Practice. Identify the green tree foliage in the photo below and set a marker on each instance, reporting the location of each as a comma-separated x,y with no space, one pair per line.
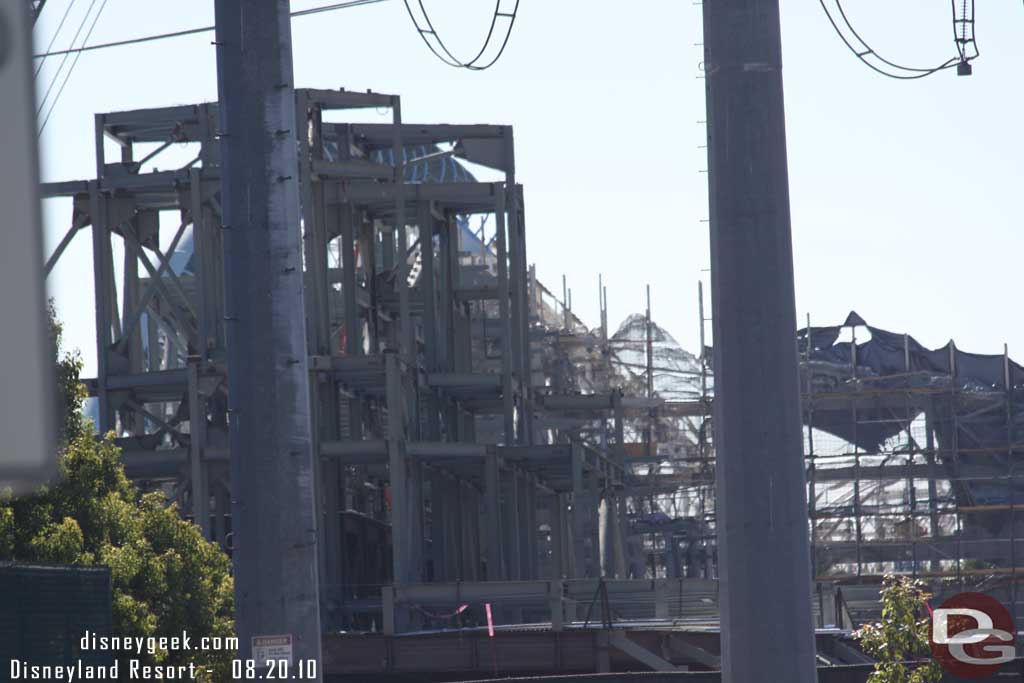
900,640
166,577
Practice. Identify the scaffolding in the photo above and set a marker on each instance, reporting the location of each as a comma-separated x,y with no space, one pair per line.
911,460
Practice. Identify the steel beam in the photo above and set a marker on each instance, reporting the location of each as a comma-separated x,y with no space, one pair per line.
398,472
493,512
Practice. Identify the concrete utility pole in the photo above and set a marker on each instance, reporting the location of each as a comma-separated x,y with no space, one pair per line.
763,548
27,422
272,480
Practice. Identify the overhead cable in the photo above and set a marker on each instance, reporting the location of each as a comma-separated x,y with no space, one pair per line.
201,29
56,99
442,52
56,33
60,67
963,34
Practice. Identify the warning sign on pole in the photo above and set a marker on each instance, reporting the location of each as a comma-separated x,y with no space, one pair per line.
271,648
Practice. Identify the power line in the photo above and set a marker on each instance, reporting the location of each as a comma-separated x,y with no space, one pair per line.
55,34
60,67
862,54
193,31
449,58
901,72
130,41
846,20
71,70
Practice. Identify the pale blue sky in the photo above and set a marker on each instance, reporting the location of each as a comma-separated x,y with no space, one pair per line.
906,196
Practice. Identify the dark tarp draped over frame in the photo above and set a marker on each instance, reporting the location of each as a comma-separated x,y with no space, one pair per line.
978,399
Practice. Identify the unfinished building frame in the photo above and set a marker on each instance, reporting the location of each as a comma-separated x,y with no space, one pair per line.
911,460
446,455
474,438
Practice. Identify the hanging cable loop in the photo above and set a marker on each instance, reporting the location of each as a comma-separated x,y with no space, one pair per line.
963,36
441,51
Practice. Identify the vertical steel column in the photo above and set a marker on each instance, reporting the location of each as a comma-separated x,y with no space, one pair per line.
512,518
197,441
857,525
318,225
446,267
416,510
439,546
353,321
606,563
507,391
512,522
471,542
579,507
530,528
555,522
807,409
1011,478
517,339
522,524
616,511
100,233
272,478
649,446
592,477
103,270
619,537
316,238
761,505
631,554
398,470
933,489
407,336
493,512
153,338
130,299
515,283
465,511
522,325
456,507
207,253
428,290
565,304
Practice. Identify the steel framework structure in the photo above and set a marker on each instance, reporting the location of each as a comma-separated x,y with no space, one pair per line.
473,437
444,453
470,430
